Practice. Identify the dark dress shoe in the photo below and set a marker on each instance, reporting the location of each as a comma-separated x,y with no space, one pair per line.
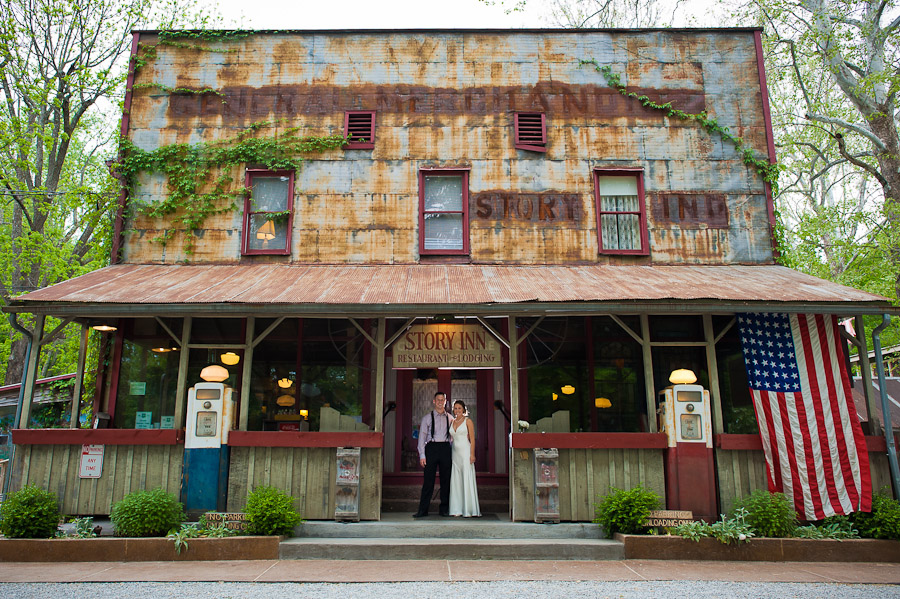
420,515
445,514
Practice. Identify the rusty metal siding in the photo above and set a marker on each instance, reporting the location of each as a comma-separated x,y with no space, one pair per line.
446,99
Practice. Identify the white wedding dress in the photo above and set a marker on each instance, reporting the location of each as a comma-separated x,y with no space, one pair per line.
463,489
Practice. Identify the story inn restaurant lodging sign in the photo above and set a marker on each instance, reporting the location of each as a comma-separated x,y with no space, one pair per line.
447,346
505,226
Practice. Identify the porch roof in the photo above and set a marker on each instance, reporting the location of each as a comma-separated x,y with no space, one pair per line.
132,289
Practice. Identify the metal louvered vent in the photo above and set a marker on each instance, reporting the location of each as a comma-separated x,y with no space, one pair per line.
531,131
360,128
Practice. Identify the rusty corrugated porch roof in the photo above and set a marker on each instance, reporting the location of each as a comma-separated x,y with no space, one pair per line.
159,289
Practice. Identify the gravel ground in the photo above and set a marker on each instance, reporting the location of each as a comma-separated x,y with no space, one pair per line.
459,590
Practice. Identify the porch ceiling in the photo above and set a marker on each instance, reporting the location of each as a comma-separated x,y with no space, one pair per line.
128,289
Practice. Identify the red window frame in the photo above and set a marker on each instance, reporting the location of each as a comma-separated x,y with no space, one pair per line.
449,172
245,236
526,135
638,174
366,136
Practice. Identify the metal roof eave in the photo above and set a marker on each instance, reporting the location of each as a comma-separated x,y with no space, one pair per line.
694,306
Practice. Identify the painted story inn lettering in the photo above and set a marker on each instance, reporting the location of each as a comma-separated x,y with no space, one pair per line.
547,207
447,345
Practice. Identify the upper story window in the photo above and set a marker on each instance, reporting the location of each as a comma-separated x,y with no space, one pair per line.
621,214
359,126
531,131
268,212
443,212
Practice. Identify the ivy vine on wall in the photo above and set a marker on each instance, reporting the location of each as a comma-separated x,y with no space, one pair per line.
200,177
768,171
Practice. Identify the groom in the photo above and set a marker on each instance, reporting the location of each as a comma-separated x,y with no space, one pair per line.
434,453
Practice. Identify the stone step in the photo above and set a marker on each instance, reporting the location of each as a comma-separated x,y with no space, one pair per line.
490,526
450,548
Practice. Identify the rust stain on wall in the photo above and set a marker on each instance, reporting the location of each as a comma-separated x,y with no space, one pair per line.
321,99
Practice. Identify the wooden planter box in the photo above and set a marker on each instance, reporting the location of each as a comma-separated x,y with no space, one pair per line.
152,549
760,549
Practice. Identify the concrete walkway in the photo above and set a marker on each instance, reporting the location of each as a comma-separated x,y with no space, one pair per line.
447,571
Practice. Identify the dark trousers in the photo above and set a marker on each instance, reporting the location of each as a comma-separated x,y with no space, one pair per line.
437,455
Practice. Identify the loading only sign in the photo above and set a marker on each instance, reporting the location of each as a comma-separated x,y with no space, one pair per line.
91,461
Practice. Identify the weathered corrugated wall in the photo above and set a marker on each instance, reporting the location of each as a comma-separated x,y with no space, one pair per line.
447,99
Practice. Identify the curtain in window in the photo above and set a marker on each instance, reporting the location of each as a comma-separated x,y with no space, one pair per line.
620,231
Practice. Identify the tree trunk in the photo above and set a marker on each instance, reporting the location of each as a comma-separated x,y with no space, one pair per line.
15,367
889,166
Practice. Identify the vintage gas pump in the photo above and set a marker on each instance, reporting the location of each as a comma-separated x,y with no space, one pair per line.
684,416
210,415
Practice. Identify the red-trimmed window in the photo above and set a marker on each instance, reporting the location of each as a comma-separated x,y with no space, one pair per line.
531,131
443,212
359,126
621,213
268,212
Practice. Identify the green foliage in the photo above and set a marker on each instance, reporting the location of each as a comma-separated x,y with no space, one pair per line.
84,528
735,529
693,531
626,512
768,171
201,176
835,527
769,514
147,514
883,522
29,513
271,512
199,530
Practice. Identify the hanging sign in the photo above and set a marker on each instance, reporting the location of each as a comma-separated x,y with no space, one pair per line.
447,346
91,461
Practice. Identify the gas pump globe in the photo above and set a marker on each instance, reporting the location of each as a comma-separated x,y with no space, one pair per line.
685,418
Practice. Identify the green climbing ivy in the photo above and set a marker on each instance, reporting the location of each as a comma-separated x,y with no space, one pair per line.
768,171
200,176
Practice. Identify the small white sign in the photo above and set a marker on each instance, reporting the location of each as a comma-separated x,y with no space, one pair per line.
91,461
137,388
166,422
143,420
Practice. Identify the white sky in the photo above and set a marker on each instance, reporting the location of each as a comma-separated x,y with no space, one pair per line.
375,14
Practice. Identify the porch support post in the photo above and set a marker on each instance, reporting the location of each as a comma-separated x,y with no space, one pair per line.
30,374
513,337
713,365
865,371
181,385
648,373
79,375
247,372
379,375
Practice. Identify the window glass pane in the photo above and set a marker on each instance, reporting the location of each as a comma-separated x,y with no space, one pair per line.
676,328
621,231
443,232
443,194
266,233
270,194
274,360
618,377
217,330
148,373
737,405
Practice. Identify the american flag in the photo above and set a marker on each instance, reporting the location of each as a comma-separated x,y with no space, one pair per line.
815,450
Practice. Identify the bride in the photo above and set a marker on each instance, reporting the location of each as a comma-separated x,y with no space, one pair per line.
463,492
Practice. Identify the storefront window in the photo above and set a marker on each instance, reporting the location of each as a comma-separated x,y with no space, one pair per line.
619,395
148,375
309,375
737,405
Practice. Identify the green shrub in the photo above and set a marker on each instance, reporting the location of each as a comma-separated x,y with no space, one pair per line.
626,512
734,529
693,531
29,513
147,514
769,514
271,512
883,522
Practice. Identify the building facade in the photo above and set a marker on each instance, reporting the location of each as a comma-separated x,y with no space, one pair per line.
371,216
